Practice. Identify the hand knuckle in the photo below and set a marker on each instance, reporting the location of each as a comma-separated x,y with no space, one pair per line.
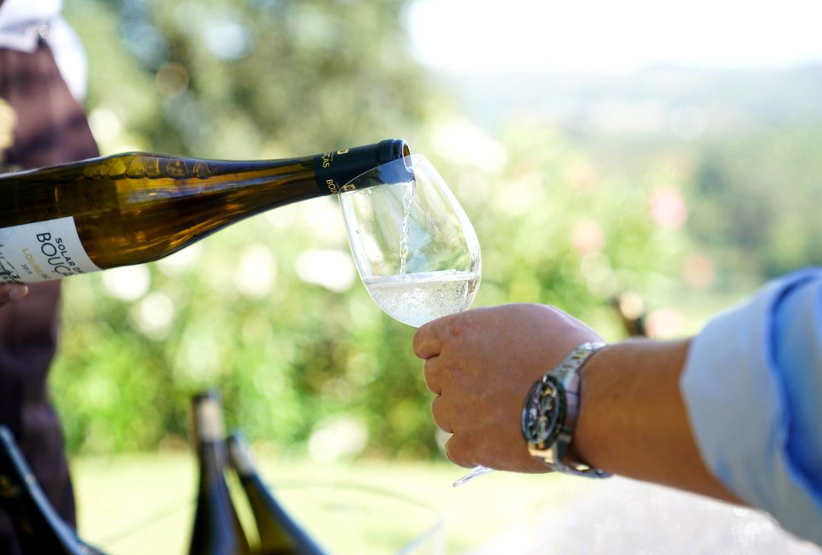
456,452
462,326
417,342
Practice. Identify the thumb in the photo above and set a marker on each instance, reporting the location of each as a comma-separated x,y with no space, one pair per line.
12,292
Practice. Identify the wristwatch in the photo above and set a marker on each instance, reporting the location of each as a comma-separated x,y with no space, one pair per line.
550,414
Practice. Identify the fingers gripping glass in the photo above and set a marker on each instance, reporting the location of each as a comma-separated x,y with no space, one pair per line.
414,247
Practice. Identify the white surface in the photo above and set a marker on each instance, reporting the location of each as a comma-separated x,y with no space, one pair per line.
622,517
614,37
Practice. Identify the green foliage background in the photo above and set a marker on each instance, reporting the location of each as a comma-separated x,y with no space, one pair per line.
279,78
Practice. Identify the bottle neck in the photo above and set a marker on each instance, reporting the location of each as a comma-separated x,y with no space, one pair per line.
278,532
330,172
216,526
209,434
336,170
249,187
208,420
241,457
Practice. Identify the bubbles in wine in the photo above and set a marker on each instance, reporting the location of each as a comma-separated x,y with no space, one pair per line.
415,299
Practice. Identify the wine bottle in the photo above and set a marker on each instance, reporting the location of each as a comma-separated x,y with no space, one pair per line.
279,533
630,309
217,529
37,526
134,208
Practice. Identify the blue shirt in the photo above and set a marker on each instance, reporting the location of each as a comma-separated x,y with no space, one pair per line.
752,385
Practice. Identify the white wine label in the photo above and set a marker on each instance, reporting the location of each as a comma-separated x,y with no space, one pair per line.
42,251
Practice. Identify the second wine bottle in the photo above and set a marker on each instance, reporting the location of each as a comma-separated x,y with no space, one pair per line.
217,529
279,533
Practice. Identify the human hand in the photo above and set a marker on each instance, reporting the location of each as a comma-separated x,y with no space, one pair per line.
12,292
481,364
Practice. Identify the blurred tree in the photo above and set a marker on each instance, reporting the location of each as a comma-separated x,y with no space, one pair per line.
270,310
755,201
225,79
251,78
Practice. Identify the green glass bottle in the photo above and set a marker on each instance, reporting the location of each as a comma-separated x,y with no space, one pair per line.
37,526
217,529
279,533
134,208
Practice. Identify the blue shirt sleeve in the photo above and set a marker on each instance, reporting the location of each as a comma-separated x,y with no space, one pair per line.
752,385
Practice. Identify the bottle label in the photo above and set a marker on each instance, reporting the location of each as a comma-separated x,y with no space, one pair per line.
42,251
335,170
326,169
350,169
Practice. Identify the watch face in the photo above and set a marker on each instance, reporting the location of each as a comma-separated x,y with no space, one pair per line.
544,413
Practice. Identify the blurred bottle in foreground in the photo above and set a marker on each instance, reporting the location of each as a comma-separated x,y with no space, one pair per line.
279,533
38,527
217,529
134,208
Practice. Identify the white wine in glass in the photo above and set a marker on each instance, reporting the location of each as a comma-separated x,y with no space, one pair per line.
415,299
414,247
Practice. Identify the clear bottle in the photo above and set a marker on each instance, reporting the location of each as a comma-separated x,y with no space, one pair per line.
134,208
217,529
279,533
37,526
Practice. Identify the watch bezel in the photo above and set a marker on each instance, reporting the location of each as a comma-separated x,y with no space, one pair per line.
542,438
548,429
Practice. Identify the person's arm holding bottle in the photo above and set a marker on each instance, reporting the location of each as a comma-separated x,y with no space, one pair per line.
732,413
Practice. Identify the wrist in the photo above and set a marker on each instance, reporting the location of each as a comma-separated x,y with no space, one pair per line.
586,448
579,449
631,421
550,414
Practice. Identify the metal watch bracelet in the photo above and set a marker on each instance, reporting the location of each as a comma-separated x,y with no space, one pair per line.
550,412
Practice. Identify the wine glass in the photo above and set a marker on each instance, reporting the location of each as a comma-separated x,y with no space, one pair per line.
415,248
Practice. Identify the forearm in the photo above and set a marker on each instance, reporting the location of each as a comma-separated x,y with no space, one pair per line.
633,421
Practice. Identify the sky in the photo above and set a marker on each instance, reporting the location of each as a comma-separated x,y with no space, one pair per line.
601,36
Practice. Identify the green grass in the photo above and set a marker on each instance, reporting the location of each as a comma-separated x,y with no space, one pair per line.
141,504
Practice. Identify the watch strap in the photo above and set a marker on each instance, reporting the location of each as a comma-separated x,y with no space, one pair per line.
551,410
